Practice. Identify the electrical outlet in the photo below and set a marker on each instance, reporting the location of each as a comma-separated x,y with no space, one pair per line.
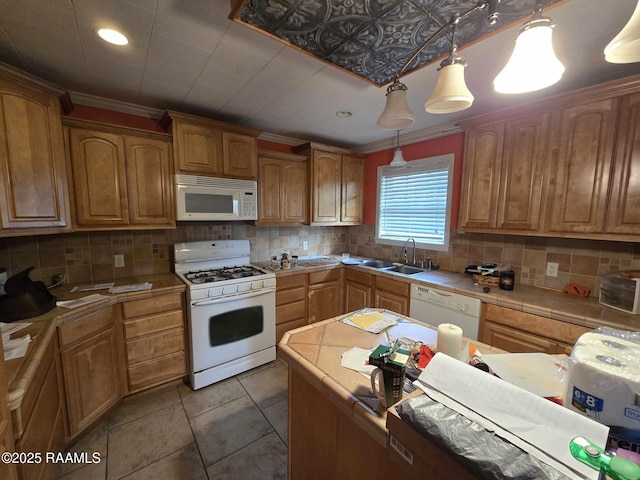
552,269
118,260
305,246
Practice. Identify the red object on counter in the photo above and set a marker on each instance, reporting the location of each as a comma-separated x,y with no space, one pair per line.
425,356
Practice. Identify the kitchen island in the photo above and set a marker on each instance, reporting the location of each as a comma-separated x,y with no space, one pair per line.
337,427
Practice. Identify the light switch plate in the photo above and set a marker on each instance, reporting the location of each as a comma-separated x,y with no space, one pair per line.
305,246
552,269
118,260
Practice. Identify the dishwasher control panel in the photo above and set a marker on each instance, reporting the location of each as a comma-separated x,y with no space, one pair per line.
454,301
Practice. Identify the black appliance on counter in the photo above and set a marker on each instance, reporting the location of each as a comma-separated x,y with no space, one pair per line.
24,298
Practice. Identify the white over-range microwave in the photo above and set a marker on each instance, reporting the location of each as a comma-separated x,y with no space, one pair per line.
215,199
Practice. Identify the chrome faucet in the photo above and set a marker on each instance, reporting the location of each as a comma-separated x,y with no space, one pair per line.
404,255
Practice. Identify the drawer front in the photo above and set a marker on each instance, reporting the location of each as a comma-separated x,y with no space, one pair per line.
154,346
72,332
392,286
358,277
151,306
290,281
291,295
291,311
153,324
157,371
324,276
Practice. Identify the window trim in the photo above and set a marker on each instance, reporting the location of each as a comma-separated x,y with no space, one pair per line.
435,162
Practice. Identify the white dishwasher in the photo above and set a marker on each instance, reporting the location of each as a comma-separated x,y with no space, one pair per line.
434,307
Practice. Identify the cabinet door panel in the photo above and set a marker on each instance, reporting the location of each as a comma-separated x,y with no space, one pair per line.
198,149
325,301
624,205
99,178
240,155
150,186
325,183
522,173
32,162
295,207
272,177
391,301
352,189
91,379
481,177
581,163
357,296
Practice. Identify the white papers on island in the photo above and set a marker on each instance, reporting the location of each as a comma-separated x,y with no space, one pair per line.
17,347
79,302
539,426
357,359
95,286
370,320
135,287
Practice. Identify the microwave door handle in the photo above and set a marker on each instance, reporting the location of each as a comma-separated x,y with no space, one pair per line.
232,298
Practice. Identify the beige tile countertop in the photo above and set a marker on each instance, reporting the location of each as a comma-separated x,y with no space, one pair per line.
314,351
20,371
545,302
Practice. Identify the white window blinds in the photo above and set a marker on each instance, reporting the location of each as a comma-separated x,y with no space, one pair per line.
414,202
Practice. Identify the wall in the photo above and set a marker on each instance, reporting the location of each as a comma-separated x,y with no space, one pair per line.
88,257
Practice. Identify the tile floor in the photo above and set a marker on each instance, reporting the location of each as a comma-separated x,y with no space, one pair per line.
234,429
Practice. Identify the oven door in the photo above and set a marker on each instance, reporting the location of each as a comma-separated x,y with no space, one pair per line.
228,328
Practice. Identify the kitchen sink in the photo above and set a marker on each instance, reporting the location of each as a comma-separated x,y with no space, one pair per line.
376,264
407,270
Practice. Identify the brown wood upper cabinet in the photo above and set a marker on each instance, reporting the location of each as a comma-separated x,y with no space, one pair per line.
282,188
33,190
336,184
121,177
503,172
562,167
203,146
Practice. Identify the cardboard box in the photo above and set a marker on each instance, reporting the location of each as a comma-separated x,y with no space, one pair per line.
419,457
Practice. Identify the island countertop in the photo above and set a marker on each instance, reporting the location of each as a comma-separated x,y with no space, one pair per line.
314,351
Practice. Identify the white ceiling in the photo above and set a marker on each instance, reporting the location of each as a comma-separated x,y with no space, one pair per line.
186,55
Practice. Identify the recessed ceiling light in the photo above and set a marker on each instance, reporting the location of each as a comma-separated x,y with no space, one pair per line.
343,114
112,36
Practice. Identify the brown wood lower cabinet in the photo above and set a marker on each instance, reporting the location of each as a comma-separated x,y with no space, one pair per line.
90,364
325,295
358,290
291,303
153,331
520,332
38,422
392,295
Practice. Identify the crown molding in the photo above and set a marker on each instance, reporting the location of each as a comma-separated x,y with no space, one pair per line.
115,105
412,137
274,137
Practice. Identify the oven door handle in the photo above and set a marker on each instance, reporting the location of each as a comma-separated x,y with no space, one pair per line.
233,298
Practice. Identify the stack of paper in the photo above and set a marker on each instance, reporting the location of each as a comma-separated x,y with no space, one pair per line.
17,347
95,286
370,320
136,287
79,302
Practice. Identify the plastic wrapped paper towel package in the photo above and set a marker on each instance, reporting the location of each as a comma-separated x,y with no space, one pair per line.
603,383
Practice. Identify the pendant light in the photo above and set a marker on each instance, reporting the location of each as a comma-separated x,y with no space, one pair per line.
396,115
625,47
451,93
398,160
533,64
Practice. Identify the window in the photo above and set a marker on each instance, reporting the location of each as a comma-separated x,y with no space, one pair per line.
414,201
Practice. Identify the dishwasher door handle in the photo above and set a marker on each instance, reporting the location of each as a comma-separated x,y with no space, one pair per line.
438,293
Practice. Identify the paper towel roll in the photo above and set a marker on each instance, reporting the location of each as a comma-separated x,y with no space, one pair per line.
449,340
603,380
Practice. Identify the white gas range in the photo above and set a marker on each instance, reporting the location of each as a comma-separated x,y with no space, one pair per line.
231,309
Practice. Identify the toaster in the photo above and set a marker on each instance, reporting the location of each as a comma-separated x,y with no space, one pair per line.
621,290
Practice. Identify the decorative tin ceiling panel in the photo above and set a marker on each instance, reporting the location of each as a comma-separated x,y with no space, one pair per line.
374,38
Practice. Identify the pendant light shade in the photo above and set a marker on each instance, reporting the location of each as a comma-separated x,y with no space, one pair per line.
451,93
625,47
397,160
533,64
396,115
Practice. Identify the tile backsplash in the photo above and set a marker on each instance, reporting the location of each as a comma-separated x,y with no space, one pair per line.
88,257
